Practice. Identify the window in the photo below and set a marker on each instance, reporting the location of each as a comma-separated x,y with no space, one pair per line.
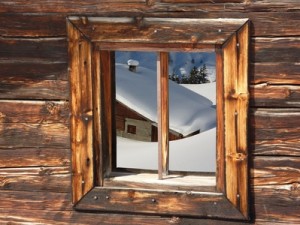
93,42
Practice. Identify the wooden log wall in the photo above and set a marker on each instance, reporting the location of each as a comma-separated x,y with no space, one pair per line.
35,173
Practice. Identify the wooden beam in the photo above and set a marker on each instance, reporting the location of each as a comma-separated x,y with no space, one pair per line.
163,113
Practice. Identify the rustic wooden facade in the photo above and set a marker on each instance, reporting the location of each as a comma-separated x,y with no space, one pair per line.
35,156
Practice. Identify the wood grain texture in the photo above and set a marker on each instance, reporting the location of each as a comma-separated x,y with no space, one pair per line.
26,157
22,89
81,113
159,202
28,25
53,25
35,200
33,66
34,49
281,95
163,113
270,130
34,135
73,217
277,50
275,73
93,6
34,112
52,179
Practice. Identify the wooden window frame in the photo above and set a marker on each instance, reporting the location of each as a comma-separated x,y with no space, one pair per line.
91,42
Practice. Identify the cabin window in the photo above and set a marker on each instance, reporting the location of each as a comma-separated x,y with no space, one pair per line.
100,115
191,111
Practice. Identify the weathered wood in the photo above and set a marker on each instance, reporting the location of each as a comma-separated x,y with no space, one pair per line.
34,89
25,157
34,112
35,135
220,148
34,49
107,92
97,112
14,70
276,171
238,194
52,25
242,117
275,73
35,200
264,136
52,179
163,113
277,203
81,114
235,115
159,203
156,31
28,25
275,50
264,95
73,217
93,6
274,118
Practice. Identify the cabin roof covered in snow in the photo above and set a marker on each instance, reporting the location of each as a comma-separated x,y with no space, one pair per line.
189,111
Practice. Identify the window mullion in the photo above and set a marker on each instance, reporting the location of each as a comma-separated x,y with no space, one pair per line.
163,113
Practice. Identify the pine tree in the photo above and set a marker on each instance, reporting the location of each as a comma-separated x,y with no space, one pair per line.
203,75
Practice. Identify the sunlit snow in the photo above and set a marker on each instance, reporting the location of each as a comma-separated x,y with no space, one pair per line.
190,110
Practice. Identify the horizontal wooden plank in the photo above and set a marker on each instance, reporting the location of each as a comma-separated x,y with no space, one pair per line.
34,89
202,1
28,25
72,6
35,200
52,25
275,193
273,170
157,30
25,157
13,135
34,49
275,147
12,111
275,50
277,204
275,73
264,127
93,6
32,70
265,95
9,215
52,179
159,202
274,118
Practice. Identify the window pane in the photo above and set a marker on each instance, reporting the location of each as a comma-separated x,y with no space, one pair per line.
192,102
136,110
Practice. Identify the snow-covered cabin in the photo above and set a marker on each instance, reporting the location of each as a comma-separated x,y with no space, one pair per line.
136,106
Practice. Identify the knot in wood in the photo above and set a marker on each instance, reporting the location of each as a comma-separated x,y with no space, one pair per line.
194,39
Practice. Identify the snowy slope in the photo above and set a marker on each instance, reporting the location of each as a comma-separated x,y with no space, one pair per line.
196,153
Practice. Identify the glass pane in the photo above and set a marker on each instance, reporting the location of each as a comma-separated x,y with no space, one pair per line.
192,119
136,109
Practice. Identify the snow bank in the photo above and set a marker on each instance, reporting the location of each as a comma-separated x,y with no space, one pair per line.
196,153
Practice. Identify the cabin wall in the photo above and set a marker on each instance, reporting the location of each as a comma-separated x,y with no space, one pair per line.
35,174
